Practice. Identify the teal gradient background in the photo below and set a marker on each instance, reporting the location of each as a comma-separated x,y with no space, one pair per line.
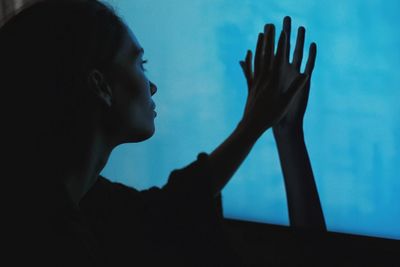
352,123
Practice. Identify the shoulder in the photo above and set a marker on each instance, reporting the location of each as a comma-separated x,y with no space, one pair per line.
193,180
107,197
107,190
110,190
105,183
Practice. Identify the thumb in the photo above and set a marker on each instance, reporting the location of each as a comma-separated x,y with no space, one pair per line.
246,73
243,66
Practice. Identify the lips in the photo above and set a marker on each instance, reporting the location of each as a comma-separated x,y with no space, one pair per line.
153,107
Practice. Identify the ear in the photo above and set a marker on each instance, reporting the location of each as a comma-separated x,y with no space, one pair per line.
99,86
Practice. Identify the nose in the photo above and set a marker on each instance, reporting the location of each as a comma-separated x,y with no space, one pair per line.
153,88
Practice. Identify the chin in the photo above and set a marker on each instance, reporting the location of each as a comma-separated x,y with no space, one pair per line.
142,135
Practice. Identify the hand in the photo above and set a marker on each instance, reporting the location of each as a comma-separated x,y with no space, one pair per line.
293,120
275,83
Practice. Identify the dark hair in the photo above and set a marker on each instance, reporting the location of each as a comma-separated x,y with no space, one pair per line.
46,53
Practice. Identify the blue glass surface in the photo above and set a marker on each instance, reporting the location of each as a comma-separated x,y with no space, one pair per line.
352,124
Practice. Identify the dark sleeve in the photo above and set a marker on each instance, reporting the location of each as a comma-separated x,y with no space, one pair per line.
191,215
187,196
181,222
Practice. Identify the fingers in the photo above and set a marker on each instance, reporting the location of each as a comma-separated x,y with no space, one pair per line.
269,47
265,49
247,68
287,28
245,63
258,56
283,51
244,69
281,48
298,51
312,54
265,57
249,60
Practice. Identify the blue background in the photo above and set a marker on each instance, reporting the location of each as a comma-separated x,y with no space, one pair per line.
352,123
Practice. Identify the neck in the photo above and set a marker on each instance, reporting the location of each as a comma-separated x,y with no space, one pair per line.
85,164
75,162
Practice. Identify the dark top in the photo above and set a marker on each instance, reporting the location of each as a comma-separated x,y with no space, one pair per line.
179,224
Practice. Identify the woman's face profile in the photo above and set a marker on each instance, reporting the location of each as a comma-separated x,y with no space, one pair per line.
133,107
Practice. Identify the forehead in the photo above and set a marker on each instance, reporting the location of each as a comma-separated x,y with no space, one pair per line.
131,39
134,44
130,47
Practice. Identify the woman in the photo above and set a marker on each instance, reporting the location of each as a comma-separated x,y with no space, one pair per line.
75,86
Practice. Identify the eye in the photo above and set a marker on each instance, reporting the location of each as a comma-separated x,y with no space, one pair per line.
144,62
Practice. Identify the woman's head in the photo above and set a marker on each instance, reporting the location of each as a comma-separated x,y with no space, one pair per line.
67,66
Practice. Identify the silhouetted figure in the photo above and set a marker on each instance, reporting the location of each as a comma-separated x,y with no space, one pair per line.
74,88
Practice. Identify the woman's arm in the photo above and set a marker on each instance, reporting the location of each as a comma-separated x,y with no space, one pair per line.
270,93
304,206
301,192
227,157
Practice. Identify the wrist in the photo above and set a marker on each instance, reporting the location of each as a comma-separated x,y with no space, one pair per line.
247,132
284,133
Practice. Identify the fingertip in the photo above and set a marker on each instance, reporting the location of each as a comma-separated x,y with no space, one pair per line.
313,49
247,55
313,46
267,27
271,32
287,23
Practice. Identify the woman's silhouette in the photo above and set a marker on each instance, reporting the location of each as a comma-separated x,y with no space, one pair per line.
74,88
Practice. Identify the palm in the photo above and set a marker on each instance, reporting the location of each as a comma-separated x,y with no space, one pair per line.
296,110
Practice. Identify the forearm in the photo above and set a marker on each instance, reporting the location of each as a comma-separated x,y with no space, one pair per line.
226,158
302,196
